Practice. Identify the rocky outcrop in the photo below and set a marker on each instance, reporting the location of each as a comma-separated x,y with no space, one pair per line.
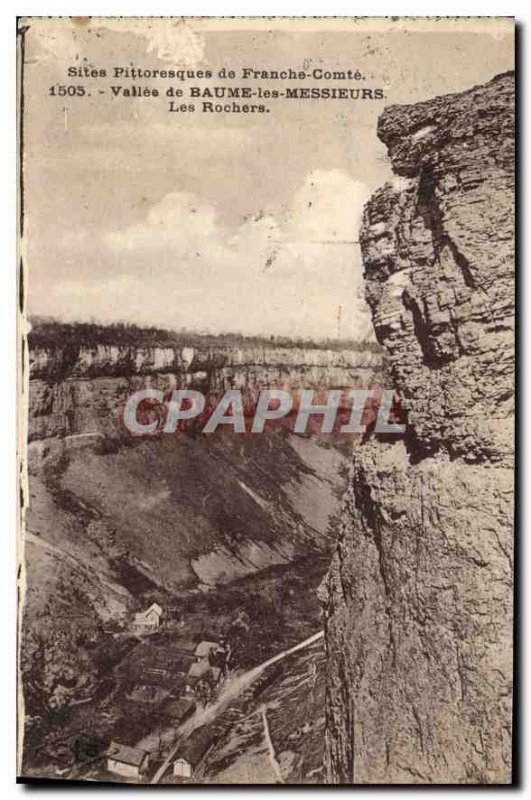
419,594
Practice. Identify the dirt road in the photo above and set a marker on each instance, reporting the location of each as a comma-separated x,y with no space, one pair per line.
233,687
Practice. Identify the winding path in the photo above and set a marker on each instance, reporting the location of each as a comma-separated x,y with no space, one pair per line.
232,689
271,750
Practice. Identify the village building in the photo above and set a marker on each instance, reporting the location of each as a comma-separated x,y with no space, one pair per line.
149,620
204,649
130,762
192,753
198,672
182,768
202,679
216,653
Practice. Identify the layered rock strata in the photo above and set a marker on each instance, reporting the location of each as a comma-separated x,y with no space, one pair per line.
419,595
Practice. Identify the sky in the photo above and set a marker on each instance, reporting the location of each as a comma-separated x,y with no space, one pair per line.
220,222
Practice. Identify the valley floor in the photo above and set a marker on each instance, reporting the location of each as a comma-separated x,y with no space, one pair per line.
275,608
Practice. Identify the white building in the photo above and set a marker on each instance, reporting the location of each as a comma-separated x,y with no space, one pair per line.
182,768
130,762
192,753
148,620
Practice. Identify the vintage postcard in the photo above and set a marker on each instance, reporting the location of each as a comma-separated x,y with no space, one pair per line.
266,383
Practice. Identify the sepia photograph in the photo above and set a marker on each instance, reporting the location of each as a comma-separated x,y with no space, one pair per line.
266,383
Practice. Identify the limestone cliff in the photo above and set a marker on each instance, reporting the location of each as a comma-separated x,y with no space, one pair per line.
419,593
81,389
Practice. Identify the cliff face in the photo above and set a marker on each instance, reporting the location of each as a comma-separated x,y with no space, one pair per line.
76,390
419,594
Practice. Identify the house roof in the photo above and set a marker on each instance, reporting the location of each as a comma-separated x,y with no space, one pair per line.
126,754
154,607
202,670
204,648
195,747
198,669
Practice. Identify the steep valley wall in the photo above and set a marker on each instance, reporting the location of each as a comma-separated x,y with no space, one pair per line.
419,596
112,523
76,390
